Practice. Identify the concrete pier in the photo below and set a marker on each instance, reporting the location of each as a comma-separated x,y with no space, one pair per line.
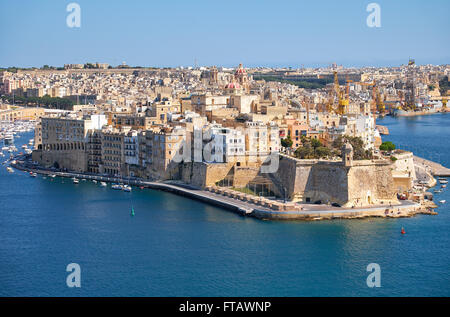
435,169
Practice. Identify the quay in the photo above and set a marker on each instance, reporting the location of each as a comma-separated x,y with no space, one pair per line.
257,207
434,168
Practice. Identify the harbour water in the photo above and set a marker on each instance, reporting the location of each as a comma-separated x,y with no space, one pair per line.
175,246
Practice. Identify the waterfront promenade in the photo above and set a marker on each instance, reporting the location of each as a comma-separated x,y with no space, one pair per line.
255,206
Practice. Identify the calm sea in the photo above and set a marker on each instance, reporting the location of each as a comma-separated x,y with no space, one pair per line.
175,246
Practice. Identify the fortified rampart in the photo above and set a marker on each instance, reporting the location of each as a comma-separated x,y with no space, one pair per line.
361,183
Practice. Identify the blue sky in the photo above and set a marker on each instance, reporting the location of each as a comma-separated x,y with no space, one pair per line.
225,32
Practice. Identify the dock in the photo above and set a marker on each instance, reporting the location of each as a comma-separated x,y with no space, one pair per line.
435,169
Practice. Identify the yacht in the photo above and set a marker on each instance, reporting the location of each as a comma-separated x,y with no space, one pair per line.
126,188
443,181
103,184
75,180
442,201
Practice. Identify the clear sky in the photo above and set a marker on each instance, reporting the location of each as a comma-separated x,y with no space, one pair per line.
225,32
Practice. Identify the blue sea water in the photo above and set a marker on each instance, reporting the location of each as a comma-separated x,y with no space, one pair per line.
175,246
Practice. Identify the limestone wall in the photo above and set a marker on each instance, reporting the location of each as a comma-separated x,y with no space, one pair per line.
371,183
73,160
363,184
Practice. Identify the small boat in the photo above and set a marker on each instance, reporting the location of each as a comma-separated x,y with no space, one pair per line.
10,170
52,175
75,180
33,174
103,184
443,186
403,231
126,188
132,211
442,201
94,181
443,181
116,186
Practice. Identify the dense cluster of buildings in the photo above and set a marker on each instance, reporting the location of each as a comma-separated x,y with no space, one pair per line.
205,125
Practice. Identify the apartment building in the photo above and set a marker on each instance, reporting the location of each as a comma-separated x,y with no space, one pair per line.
64,141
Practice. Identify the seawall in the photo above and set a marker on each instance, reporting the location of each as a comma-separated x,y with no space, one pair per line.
405,209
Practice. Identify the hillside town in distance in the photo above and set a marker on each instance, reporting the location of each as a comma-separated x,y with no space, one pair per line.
281,143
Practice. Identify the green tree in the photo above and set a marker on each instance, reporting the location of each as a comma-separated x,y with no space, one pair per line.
387,146
287,142
304,152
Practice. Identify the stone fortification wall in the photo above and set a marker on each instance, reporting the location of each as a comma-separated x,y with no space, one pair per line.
363,183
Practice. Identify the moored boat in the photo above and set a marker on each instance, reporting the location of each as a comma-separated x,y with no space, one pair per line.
116,186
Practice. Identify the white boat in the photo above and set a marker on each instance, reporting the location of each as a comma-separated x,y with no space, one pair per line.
75,180
52,175
24,146
94,181
126,188
103,184
442,201
33,174
116,186
5,148
443,181
9,169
